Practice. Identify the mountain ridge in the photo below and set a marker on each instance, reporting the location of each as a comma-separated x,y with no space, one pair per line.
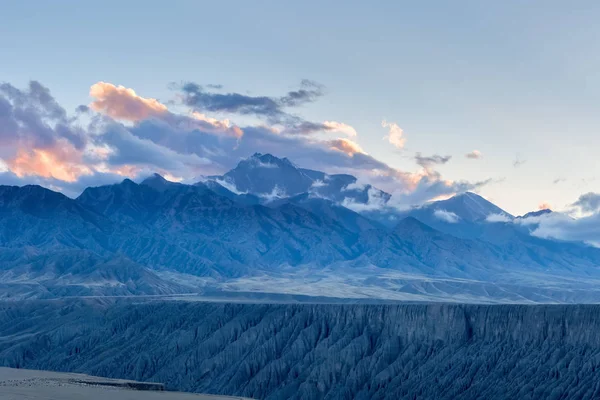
176,236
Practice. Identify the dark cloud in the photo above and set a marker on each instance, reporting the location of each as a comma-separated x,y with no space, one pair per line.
309,92
133,150
33,118
8,124
83,109
588,203
296,126
431,161
197,97
37,96
273,109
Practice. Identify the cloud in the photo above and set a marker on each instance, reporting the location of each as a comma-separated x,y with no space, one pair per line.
37,137
229,185
129,149
559,180
518,161
563,227
301,127
276,194
498,218
340,127
82,109
474,155
544,206
309,92
33,119
197,97
357,186
272,108
376,200
418,188
394,135
214,125
587,203
446,216
123,103
318,184
429,162
63,162
345,146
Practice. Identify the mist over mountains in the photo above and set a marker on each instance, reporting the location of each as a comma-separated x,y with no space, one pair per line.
270,226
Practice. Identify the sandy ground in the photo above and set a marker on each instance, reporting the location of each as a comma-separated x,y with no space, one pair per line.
22,384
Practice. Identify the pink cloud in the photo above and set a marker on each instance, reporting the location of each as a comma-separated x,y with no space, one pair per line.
62,162
395,134
123,103
345,146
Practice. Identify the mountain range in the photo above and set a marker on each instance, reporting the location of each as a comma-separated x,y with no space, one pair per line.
271,227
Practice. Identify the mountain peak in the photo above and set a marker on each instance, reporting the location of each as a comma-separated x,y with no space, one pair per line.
158,182
262,174
128,182
536,213
468,206
266,176
268,160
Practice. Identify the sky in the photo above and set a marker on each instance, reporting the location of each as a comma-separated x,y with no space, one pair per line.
422,99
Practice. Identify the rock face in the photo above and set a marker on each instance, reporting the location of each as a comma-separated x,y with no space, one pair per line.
412,351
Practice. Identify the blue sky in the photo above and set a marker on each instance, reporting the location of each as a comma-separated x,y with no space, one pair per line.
515,81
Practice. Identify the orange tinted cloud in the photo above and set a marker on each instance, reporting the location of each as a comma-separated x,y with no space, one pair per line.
123,103
340,127
62,162
394,135
544,206
346,146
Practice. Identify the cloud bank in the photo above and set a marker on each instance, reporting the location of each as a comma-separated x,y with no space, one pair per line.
122,133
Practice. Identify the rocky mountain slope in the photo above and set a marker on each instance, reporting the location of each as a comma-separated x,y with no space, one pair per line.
263,351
